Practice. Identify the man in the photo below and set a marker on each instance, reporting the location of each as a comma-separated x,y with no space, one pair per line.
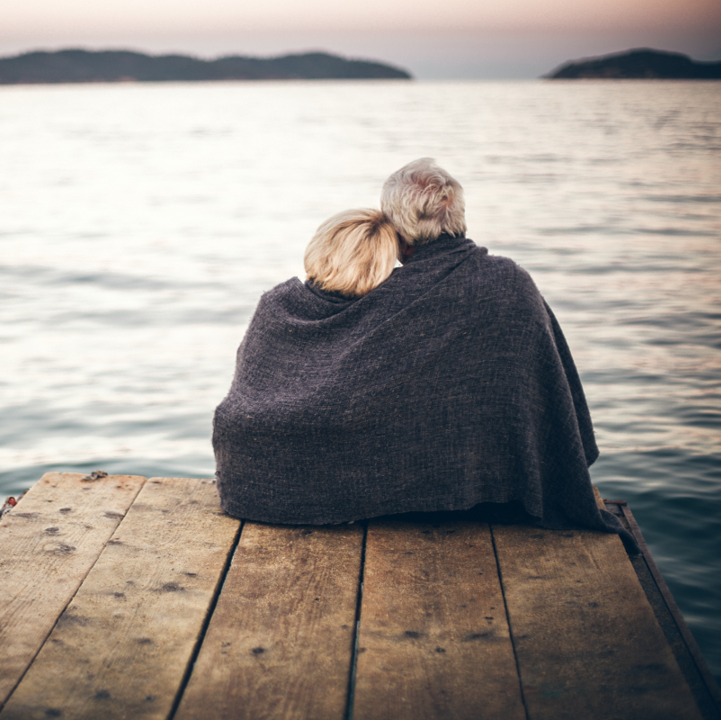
447,386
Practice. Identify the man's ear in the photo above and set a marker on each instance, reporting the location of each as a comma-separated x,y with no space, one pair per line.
406,250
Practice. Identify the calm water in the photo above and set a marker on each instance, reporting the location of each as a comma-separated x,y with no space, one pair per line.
140,223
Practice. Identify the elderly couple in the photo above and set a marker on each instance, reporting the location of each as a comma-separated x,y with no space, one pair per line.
442,385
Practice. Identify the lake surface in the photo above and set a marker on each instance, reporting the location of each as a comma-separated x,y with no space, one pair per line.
140,223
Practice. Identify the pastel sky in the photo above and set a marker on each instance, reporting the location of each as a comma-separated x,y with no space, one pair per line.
450,38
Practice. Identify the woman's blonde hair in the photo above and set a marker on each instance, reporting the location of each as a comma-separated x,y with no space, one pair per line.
352,252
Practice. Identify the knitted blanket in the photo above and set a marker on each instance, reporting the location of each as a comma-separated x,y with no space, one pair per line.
449,385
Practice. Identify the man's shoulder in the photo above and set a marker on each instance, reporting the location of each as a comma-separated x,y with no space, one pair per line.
498,282
499,263
499,268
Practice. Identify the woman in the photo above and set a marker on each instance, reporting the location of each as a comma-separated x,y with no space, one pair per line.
280,398
351,253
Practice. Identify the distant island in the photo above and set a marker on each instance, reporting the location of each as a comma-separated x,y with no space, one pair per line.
84,66
640,64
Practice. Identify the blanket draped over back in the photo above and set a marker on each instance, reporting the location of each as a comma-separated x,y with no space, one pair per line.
448,385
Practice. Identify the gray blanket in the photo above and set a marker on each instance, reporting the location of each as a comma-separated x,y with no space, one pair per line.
449,385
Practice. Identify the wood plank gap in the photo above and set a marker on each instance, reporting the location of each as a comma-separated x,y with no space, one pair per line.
508,618
354,658
588,642
280,642
49,563
434,642
206,623
57,620
122,646
693,648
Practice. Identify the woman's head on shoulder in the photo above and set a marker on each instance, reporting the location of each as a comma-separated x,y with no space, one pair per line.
352,252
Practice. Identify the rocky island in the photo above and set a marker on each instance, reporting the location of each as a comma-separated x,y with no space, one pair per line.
640,64
84,66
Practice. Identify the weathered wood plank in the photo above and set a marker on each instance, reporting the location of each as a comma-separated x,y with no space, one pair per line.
587,642
599,499
48,543
434,642
122,646
279,644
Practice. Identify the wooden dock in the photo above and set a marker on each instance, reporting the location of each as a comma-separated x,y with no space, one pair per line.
131,598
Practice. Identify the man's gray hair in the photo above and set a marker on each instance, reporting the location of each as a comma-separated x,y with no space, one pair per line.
423,201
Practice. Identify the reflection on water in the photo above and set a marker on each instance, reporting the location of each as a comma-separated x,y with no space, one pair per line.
140,223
